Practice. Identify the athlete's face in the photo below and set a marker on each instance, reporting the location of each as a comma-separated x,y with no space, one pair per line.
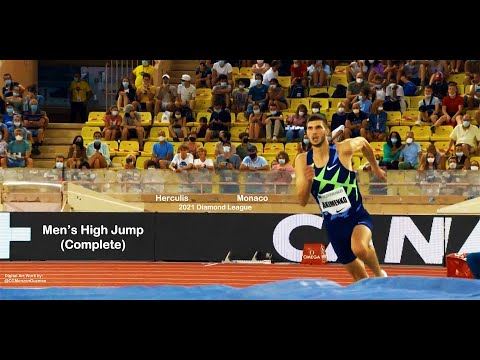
316,133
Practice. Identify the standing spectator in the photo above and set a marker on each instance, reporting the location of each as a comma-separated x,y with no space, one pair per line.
79,94
139,72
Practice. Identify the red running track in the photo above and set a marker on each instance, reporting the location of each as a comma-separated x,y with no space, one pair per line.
97,274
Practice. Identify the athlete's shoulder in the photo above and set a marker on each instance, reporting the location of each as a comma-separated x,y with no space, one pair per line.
301,158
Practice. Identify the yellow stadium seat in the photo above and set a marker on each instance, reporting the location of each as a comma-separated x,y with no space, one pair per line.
295,102
407,101
235,70
285,81
324,103
442,133
148,148
112,147
442,146
458,78
314,91
88,131
247,71
422,133
468,89
203,114
259,146
96,115
273,148
423,144
393,118
241,117
141,161
202,91
146,118
339,79
291,147
409,118
476,158
330,91
377,147
210,147
119,161
402,130
270,158
153,135
356,160
128,147
414,100
237,130
176,146
335,102
340,69
202,104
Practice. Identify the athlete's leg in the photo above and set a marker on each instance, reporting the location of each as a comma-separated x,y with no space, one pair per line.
357,269
362,247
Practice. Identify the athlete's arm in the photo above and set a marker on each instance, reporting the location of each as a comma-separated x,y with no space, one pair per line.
349,146
304,178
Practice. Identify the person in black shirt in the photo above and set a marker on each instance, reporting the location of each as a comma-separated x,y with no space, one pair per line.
219,120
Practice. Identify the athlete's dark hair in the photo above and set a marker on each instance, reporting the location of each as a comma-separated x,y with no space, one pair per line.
318,118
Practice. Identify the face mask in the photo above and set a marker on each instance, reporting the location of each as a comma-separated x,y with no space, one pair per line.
296,65
341,110
79,143
15,94
125,83
459,154
241,86
315,110
114,113
192,138
359,80
394,140
360,97
98,140
273,112
161,138
427,96
380,108
466,123
10,111
245,140
8,81
281,161
329,138
178,116
35,107
252,156
226,149
16,123
183,82
371,61
409,140
217,110
356,111
76,78
306,141
144,62
59,165
260,62
301,113
223,84
379,86
256,111
474,168
273,86
18,137
453,95
431,160
221,63
452,165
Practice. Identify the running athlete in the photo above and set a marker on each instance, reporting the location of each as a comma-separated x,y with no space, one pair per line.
326,172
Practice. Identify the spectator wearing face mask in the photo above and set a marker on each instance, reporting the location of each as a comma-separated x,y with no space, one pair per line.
474,165
410,155
76,153
16,100
356,123
98,154
222,67
7,90
377,88
377,123
256,122
162,152
452,107
257,94
178,126
203,76
223,136
219,120
471,100
429,107
281,173
363,99
241,149
165,96
132,126
18,152
125,94
240,98
221,92
79,93
338,122
465,135
392,150
130,162
461,159
18,124
296,123
186,93
113,124
202,129
192,144
274,121
429,162
276,96
140,70
354,88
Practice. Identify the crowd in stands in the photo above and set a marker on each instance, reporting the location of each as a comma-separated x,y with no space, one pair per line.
251,115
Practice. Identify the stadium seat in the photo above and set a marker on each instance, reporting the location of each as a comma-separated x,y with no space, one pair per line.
356,161
324,103
237,130
202,104
409,118
112,147
273,148
141,161
423,144
247,71
210,147
128,147
87,133
339,79
285,81
377,147
314,91
153,134
148,148
442,146
402,130
95,118
295,102
393,118
422,133
334,102
442,133
146,118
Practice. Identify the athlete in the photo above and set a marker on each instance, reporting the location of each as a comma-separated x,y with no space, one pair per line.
326,172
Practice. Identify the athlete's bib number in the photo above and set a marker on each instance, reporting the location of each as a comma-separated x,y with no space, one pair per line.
334,201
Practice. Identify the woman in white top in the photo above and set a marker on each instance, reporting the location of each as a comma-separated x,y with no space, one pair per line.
202,162
260,67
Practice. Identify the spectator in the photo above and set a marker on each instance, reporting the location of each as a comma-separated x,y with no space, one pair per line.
113,124
16,100
18,124
98,154
186,93
145,94
318,73
354,88
202,162
125,94
241,149
395,98
221,67
182,161
466,135
271,73
222,137
472,100
364,100
202,129
178,126
256,122
260,67
296,123
452,107
192,144
410,155
7,90
79,94
439,86
377,123
253,162
35,121
227,164
258,94
282,173
18,152
356,123
165,96
3,145
298,70
76,153
429,107
221,92
426,162
338,122
461,159
275,95
130,161
240,98
132,126
274,121
203,76
162,152
140,71
219,120
392,150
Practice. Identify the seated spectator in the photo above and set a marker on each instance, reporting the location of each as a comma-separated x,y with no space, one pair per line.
274,121
165,96
18,124
202,129
132,126
356,123
356,67
377,123
354,88
472,100
240,98
98,154
227,164
16,100
219,120
241,149
113,124
296,123
429,107
192,144
222,91
10,85
439,86
392,150
256,123
452,107
410,155
202,162
272,72
376,68
162,153
182,161
298,70
254,162
338,122
130,162
466,135
462,160
260,67
145,94
222,137
282,173
125,94
363,100
221,67
395,98
3,144
318,72
76,153
275,95
412,71
257,94
18,152
378,88
178,126
438,162
474,165
316,111
203,76
3,129
8,115
35,121
186,93
297,90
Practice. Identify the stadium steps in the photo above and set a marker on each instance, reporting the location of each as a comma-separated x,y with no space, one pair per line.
180,67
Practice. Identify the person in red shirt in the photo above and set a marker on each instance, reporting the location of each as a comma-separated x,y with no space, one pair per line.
298,70
452,107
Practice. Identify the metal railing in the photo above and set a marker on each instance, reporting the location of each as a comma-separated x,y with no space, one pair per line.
114,71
